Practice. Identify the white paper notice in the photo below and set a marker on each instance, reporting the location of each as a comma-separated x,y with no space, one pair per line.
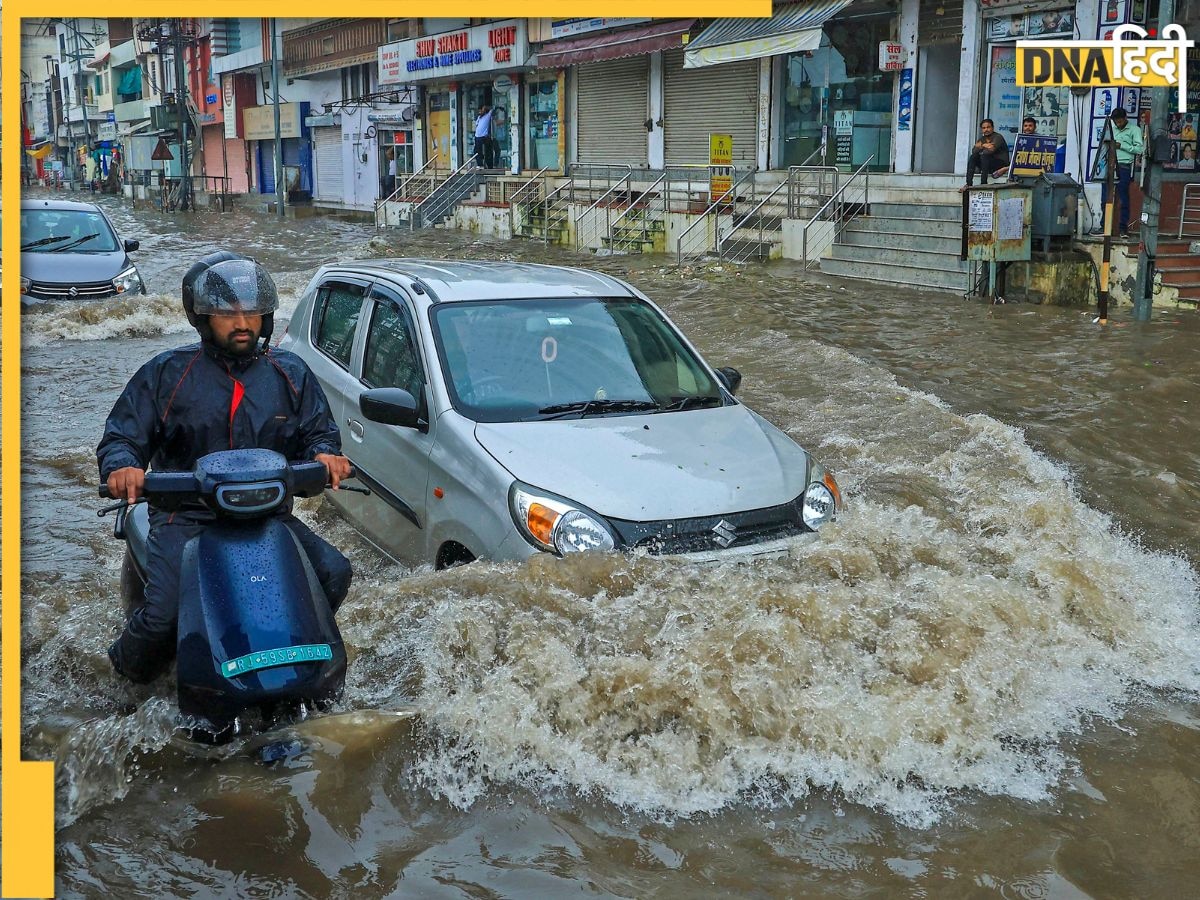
979,210
1012,218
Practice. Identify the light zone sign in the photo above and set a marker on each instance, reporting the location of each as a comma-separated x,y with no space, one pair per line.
1130,59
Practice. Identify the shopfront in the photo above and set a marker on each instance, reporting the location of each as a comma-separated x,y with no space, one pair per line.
544,130
462,71
1006,103
259,125
836,103
393,129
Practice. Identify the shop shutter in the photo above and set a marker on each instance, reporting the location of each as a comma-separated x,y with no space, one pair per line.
721,99
613,103
266,170
328,147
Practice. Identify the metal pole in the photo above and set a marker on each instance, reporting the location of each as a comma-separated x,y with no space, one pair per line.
1143,289
1110,218
278,139
185,164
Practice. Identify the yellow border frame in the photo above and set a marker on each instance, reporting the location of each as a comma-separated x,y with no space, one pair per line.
27,865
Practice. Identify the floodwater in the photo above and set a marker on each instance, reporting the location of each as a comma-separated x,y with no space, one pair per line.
982,680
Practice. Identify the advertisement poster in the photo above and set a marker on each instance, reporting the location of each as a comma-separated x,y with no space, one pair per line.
904,116
1004,106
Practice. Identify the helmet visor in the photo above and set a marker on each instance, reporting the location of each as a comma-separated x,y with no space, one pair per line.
235,287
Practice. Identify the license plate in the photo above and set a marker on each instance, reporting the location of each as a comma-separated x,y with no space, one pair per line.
283,656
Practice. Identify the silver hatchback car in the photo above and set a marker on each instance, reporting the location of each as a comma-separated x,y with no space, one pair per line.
499,410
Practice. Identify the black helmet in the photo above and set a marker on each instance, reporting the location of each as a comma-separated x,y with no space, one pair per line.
224,283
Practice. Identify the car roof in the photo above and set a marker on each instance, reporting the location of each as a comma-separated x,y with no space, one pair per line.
59,204
451,280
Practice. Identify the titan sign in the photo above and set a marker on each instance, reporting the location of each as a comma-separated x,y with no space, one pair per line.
1130,59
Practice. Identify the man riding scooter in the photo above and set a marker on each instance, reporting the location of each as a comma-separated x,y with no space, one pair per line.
230,391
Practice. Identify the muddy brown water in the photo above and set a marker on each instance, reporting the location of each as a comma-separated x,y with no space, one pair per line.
982,680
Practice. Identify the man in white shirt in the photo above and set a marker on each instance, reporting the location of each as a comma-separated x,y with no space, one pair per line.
483,137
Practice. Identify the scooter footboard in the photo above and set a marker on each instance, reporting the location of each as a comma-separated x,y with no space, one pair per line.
254,625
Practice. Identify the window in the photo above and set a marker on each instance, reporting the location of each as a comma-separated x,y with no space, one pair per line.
334,327
391,357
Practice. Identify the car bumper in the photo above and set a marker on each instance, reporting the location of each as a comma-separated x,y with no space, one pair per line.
775,549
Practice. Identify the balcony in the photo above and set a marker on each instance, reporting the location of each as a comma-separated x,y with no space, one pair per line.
131,111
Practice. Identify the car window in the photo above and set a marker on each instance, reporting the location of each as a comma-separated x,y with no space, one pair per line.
66,230
338,307
390,359
523,359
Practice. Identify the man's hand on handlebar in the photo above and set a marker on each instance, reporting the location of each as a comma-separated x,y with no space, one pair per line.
338,467
127,483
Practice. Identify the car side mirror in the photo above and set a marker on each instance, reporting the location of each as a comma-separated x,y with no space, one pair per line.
730,377
130,246
390,406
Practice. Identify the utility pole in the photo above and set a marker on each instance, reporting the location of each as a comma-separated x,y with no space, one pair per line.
1143,288
278,139
175,35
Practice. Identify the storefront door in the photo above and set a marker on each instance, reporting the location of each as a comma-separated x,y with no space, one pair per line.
937,107
438,122
543,124
504,99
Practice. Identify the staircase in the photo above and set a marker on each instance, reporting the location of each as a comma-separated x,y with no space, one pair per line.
913,244
638,231
1179,263
440,202
544,220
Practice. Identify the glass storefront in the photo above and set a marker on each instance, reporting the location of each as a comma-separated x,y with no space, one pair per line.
501,95
543,124
835,98
395,157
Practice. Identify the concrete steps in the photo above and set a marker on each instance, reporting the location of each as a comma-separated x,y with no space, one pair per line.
1180,267
903,244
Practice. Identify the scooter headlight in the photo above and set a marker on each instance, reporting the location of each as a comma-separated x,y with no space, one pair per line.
557,525
129,282
250,499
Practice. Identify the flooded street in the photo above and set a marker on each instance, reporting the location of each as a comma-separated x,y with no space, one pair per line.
981,680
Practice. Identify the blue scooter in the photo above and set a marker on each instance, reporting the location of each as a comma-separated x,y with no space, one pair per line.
255,633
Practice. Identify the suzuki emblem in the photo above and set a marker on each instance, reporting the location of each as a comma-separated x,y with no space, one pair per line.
725,533
74,291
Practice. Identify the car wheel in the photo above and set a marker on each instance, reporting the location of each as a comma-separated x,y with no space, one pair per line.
452,554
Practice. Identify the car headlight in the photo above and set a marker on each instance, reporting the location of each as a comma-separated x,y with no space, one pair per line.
128,282
26,284
821,499
557,525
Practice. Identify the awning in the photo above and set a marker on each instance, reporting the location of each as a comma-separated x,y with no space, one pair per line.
128,128
40,152
98,61
614,45
792,28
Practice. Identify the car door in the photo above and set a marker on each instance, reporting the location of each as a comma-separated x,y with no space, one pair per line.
334,334
391,460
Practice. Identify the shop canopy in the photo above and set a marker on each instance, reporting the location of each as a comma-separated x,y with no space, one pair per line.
792,28
615,44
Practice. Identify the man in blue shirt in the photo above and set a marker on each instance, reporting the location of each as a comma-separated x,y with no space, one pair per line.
483,137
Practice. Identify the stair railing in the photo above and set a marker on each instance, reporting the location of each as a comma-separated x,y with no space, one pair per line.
759,219
1190,192
441,198
588,232
529,191
848,201
556,200
658,194
825,177
687,243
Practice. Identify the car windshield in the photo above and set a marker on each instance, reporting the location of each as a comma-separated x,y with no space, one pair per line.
66,230
521,360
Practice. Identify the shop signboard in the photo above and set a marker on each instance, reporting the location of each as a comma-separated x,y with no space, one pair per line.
258,122
892,56
1032,155
480,48
560,28
720,157
229,99
843,136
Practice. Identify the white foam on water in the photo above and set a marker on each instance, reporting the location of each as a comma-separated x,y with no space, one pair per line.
965,613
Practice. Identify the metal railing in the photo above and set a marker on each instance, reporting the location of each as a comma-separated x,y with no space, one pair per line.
844,205
638,216
799,182
1190,192
588,232
552,210
756,220
217,186
402,188
530,190
687,243
443,197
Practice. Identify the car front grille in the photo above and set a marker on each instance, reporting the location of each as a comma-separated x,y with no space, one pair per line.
97,290
708,533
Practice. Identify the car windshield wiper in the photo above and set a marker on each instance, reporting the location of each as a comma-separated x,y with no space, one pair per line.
53,239
588,407
76,243
692,402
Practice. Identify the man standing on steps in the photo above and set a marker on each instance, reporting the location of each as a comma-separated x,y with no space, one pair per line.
1129,146
483,137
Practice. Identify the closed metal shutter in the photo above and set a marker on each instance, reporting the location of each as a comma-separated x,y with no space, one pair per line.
613,103
327,144
266,167
721,99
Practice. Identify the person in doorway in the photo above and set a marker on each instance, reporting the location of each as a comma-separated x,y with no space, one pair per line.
1129,143
228,392
483,137
989,154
